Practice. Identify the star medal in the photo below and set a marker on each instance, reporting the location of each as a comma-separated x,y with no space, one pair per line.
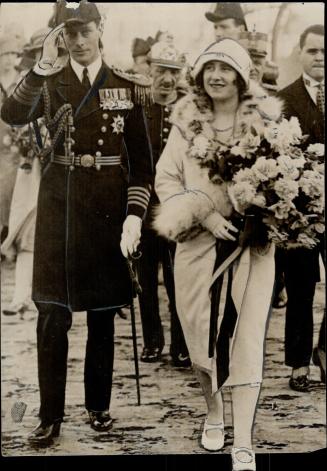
118,124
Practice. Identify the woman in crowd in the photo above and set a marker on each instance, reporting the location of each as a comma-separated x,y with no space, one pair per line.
196,212
9,159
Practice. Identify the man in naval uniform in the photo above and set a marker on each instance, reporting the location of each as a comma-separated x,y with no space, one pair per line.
89,211
165,69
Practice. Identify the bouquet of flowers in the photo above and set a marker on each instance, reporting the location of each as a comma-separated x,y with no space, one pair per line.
22,140
272,172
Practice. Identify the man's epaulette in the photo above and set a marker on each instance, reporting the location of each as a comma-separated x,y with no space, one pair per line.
142,86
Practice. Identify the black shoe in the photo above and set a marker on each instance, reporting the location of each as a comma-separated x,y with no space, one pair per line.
319,359
280,300
181,361
301,383
43,434
151,355
100,421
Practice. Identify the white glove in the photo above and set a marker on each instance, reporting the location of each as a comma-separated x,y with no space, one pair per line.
131,235
46,65
219,226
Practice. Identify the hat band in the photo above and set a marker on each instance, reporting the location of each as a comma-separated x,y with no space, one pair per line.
168,63
217,55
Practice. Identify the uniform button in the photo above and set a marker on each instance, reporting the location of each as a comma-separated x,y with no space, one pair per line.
100,142
166,109
165,130
166,119
105,116
165,139
103,129
98,154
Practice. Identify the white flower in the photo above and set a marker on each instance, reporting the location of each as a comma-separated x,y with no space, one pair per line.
243,193
318,149
260,201
238,150
246,175
265,169
286,189
284,134
248,143
288,167
282,209
306,241
200,147
312,183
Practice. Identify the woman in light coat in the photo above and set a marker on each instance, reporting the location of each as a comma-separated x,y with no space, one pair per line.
195,212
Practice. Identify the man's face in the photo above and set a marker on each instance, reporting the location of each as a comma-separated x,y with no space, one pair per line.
258,65
8,61
227,28
312,56
164,79
82,42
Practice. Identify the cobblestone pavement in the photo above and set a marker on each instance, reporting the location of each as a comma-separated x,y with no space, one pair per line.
170,418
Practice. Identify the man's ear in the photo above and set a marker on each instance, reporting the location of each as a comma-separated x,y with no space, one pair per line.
101,27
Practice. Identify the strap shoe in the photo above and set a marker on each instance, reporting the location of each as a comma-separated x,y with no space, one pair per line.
212,443
243,459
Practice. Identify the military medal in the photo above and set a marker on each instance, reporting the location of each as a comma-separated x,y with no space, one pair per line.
115,99
118,124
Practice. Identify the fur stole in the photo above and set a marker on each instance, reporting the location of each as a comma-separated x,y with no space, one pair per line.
179,218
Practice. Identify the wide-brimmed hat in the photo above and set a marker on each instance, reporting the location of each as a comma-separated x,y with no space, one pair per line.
9,45
166,55
228,51
223,11
37,38
255,43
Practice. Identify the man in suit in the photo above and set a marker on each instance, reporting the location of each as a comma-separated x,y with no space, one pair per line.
89,213
304,99
165,69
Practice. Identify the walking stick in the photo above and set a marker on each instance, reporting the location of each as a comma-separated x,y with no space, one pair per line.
136,290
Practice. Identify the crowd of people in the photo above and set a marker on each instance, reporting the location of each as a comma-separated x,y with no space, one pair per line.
130,184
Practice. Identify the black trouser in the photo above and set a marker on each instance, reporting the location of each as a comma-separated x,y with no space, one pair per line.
53,325
301,274
279,272
156,249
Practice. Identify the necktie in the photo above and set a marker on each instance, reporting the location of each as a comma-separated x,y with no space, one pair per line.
86,81
321,98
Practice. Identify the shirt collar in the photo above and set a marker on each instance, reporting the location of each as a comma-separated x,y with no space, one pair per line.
311,82
92,69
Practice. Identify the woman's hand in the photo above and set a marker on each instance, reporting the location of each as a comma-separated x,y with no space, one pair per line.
219,226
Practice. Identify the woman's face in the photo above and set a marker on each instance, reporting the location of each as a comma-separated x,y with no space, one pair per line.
220,81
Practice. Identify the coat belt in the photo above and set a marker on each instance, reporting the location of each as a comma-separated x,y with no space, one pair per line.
87,160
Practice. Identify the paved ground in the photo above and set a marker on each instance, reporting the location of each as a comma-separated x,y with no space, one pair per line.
170,419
